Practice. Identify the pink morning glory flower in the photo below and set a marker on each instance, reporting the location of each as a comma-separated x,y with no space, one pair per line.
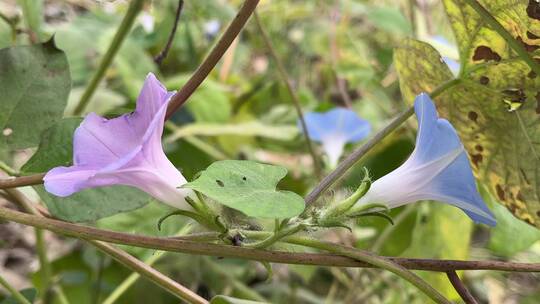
438,169
334,129
123,151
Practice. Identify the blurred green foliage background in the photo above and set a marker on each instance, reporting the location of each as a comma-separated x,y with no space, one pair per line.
335,52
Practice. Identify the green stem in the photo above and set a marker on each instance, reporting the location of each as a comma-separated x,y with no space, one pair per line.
375,260
6,168
356,155
296,101
512,42
14,292
132,278
33,22
243,290
46,271
276,236
124,28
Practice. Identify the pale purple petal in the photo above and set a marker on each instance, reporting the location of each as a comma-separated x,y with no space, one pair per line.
123,151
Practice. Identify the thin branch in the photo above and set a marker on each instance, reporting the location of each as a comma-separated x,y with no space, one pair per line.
357,154
163,54
512,42
378,261
212,59
150,273
460,288
134,8
296,101
21,181
186,245
17,296
122,257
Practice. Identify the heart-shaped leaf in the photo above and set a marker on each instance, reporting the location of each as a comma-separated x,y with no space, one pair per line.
249,187
35,84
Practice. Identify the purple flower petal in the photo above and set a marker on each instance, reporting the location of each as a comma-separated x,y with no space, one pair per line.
123,151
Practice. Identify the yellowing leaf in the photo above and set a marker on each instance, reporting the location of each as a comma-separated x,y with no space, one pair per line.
495,106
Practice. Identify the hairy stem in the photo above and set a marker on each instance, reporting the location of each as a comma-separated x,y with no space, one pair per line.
276,236
296,101
512,42
212,59
134,8
14,292
189,246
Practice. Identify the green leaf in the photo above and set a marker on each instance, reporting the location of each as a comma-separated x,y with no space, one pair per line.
389,19
93,204
35,83
102,101
143,221
231,300
249,187
510,236
209,103
252,128
503,142
56,149
29,293
442,233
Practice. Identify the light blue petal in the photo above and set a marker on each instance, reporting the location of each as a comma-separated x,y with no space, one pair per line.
337,122
455,184
453,65
316,124
436,137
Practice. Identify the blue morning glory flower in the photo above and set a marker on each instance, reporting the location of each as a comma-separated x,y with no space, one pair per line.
334,129
438,169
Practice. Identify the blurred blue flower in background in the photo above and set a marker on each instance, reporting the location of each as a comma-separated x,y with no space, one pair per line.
453,65
334,129
449,52
438,169
211,28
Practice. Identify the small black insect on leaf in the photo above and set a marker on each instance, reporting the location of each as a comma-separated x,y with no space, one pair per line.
244,178
220,183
